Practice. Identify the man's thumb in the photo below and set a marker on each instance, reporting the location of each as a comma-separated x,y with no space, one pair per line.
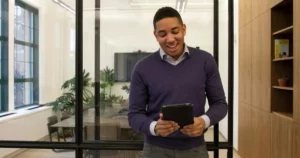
161,116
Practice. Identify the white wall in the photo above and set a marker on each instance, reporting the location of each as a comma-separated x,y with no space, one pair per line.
55,61
24,126
55,65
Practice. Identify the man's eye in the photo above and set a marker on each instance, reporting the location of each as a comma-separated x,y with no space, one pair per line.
162,34
175,32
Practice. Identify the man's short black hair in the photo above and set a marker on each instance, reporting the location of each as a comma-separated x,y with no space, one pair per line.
166,12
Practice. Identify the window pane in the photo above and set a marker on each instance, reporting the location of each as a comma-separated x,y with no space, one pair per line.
23,94
20,15
28,95
20,32
28,34
19,53
19,70
28,69
19,94
28,54
27,17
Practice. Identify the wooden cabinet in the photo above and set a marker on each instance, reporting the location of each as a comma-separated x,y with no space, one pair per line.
297,61
245,65
264,6
255,8
296,140
275,2
245,12
282,133
245,134
269,114
261,133
261,33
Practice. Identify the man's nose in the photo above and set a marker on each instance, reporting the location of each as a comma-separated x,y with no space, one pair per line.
170,38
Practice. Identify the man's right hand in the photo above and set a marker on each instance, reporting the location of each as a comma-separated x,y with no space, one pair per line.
164,127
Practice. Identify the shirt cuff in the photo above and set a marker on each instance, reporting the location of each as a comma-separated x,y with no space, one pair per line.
152,128
206,120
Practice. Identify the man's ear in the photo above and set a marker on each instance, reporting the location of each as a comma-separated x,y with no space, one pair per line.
184,29
154,33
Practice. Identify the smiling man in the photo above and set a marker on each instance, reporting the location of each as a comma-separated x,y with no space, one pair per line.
176,73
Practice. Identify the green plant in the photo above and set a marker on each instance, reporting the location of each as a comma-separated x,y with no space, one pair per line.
66,102
126,88
106,83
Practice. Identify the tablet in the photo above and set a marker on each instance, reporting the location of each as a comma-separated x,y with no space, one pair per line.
179,113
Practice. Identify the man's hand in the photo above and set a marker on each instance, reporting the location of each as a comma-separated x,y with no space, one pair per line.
195,129
165,128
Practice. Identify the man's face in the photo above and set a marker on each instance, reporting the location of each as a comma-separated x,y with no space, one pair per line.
170,35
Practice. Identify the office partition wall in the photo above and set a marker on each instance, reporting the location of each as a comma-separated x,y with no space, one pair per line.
97,118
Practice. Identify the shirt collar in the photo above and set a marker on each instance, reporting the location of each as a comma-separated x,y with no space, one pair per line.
163,53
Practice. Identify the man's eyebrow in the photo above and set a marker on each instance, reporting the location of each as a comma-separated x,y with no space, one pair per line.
176,27
161,31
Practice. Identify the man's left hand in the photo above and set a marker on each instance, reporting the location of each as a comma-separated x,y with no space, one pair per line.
196,129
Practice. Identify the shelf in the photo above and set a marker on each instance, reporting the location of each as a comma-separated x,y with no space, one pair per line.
284,31
284,59
284,88
287,115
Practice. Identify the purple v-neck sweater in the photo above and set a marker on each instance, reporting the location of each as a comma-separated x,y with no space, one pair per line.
155,82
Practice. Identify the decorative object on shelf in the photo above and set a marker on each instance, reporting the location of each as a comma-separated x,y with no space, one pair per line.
281,48
282,81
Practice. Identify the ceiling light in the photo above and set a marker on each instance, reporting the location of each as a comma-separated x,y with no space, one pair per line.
181,5
64,5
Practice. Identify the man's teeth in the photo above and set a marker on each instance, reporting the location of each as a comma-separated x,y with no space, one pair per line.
173,46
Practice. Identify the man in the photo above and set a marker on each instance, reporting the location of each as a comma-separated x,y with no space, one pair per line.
174,74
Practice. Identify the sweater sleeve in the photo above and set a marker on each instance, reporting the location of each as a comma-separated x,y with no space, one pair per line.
215,92
138,97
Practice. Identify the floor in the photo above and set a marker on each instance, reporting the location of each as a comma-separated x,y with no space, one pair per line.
46,153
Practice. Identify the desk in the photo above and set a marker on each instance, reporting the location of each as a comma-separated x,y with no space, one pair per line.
89,119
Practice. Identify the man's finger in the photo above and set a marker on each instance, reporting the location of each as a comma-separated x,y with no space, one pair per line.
188,127
167,130
164,126
187,130
164,121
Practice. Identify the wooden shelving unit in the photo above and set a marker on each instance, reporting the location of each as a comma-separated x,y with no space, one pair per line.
283,110
282,27
287,115
284,88
269,113
284,59
284,30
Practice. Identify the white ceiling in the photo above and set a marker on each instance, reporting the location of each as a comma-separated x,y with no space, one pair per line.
143,5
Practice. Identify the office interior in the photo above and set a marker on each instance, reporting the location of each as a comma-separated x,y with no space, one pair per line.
38,57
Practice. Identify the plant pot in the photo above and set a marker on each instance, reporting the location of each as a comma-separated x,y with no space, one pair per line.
282,82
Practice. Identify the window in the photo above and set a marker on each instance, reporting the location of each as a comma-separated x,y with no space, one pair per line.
26,87
3,55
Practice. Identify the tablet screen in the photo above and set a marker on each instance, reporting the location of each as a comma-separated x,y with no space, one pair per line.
179,113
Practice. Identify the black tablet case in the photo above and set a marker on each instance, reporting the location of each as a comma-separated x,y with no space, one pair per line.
179,113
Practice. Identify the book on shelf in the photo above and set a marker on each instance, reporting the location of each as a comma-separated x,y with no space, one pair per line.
281,48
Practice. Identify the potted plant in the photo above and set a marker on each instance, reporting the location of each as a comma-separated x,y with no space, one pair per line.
282,81
106,83
66,102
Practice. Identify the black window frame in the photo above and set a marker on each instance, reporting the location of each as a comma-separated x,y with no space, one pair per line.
79,145
4,56
34,45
